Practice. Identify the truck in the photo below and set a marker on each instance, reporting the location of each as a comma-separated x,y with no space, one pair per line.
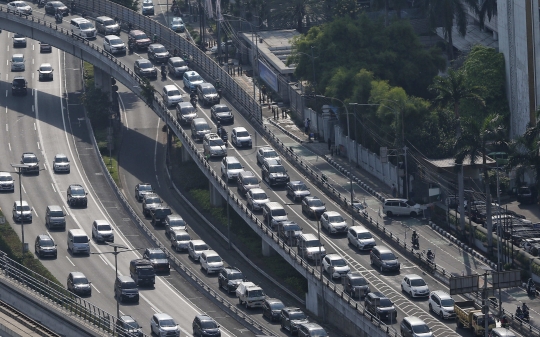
469,315
250,294
142,272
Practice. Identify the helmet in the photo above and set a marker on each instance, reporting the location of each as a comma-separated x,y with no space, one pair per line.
218,124
429,251
414,232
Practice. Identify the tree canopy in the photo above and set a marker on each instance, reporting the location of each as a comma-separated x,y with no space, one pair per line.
391,53
131,4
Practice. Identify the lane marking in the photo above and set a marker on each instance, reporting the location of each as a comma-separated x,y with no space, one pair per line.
73,264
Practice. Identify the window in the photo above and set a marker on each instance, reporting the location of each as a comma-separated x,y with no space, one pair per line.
214,259
85,25
173,93
279,212
160,49
234,166
106,227
276,169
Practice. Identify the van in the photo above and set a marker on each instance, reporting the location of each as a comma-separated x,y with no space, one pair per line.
274,214
414,327
83,28
142,272
55,217
360,237
199,128
309,247
78,242
106,26
401,207
125,289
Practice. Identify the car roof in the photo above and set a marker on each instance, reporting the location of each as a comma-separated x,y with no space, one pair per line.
334,257
377,294
101,222
154,250
198,242
395,199
18,55
45,237
136,32
205,84
441,293
151,195
143,184
80,20
77,274
60,155
230,268
76,187
332,213
205,318
215,106
18,202
175,58
162,316
355,274
127,319
155,45
113,37
5,174
273,300
359,228
256,190
291,309
413,277
180,231
18,78
231,159
239,128
125,278
382,249
414,320
45,65
170,87
210,253
143,60
311,326
267,148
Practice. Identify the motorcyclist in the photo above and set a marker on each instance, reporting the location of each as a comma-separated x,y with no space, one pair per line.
163,71
525,307
519,312
530,286
430,255
155,38
58,16
414,238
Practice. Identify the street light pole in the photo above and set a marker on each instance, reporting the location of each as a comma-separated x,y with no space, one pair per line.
19,168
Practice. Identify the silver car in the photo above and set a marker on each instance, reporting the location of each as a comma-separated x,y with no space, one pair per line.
61,163
180,240
241,138
256,198
195,248
6,182
17,62
114,45
19,7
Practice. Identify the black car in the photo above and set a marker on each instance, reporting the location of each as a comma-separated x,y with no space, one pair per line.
158,53
45,246
78,284
356,285
142,189
525,195
380,306
159,214
384,258
292,317
19,86
207,94
274,173
205,326
76,196
52,7
272,308
313,207
222,113
145,68
45,47
128,327
229,278
159,260
19,40
297,190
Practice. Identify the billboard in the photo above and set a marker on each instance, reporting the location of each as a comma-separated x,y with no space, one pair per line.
268,76
463,284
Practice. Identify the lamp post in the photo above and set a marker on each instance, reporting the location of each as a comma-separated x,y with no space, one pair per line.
19,168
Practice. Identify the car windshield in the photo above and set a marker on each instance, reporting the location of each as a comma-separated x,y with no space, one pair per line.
141,37
177,223
20,4
177,21
146,65
194,78
297,315
277,305
292,227
178,64
420,328
85,25
300,187
17,58
77,191
279,212
365,235
358,282
21,83
388,256
61,159
236,276
153,200
182,237
167,323
216,142
146,271
418,283
187,110
30,159
260,196
5,178
129,285
173,93
277,169
270,154
109,22
80,239
315,202
145,188
106,227
200,247
202,127
160,49
256,293
80,280
132,325
209,325
116,42
251,181
234,166
25,208
221,108
339,263
47,243
158,255
57,4
18,36
208,90
318,333
335,218
162,212
447,302
313,243
385,303
214,259
46,68
242,134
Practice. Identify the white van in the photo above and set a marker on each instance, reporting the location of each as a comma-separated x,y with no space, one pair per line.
83,28
78,242
401,207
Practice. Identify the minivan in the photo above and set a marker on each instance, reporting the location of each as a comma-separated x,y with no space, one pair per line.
309,247
274,214
106,26
125,289
199,128
55,217
401,207
83,28
414,327
383,258
360,237
78,242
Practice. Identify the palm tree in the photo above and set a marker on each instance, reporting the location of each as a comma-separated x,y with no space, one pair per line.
486,8
472,145
451,91
443,13
397,5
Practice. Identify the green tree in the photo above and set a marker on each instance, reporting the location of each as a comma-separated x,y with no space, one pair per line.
444,13
97,104
147,91
472,146
295,13
131,4
450,92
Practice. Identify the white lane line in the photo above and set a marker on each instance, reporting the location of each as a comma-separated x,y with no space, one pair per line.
93,286
73,264
33,109
124,111
38,146
9,145
103,259
65,210
24,190
7,128
35,126
33,209
54,189
155,150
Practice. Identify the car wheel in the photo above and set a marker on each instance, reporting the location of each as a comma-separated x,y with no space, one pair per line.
246,304
431,308
381,268
441,315
413,214
388,213
240,301
402,290
410,294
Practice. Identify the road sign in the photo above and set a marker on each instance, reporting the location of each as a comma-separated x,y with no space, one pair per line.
384,154
506,279
463,284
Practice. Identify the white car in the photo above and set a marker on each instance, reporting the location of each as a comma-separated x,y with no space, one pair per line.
415,286
114,44
335,265
6,182
360,237
179,239
442,304
240,137
164,325
256,198
102,231
267,153
19,7
171,95
45,71
195,248
231,167
210,261
17,62
333,222
61,163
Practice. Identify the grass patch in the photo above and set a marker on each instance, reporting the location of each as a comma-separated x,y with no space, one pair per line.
243,236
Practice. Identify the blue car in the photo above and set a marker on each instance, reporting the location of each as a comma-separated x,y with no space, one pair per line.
191,79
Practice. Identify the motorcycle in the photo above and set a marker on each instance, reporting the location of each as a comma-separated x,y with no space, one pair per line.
223,134
59,18
531,287
522,315
164,74
415,242
430,257
41,3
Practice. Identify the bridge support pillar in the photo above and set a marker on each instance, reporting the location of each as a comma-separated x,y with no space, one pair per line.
216,200
312,296
267,250
186,157
102,80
